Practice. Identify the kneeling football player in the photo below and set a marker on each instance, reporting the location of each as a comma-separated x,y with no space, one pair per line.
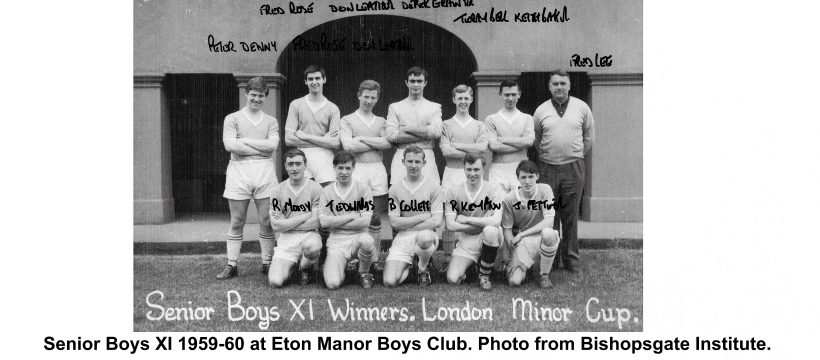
530,209
473,209
346,212
415,211
294,215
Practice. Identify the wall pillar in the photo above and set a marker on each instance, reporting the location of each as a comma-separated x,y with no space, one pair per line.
153,200
273,106
615,188
486,96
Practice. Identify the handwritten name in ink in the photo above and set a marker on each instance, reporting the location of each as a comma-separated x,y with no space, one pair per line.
600,61
484,204
324,43
543,16
434,4
290,206
293,8
358,205
535,205
412,205
363,6
229,46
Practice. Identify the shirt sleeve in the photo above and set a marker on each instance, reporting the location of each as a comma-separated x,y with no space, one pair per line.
497,198
529,126
483,135
393,202
333,127
445,134
274,207
273,129
434,128
345,131
436,201
447,198
489,124
229,128
507,218
292,122
536,125
325,201
588,125
391,124
381,128
316,196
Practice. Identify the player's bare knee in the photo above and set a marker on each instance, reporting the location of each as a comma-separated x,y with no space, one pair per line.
549,238
490,236
453,278
425,239
312,248
333,283
238,223
264,224
367,244
276,280
516,277
389,281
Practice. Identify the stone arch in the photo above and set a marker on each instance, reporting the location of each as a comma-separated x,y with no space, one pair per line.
381,48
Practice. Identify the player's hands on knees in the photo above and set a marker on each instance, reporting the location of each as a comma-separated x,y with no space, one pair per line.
516,239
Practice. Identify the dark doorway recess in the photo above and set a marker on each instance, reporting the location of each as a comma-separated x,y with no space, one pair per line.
399,43
198,104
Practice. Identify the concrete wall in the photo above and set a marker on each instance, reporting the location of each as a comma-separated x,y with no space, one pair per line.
615,187
172,37
153,202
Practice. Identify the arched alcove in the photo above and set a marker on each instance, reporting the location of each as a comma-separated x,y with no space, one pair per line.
381,48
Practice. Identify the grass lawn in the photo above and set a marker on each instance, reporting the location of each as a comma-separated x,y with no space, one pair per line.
614,277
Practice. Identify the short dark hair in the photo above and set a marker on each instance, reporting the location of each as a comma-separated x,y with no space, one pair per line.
417,70
292,153
368,85
508,83
462,89
559,72
313,69
526,166
343,157
259,84
413,149
471,159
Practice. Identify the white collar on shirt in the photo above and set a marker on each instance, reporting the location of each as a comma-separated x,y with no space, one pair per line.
510,119
316,108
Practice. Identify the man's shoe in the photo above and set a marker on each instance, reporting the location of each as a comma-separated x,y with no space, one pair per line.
265,269
304,277
572,266
545,282
484,282
228,272
366,280
424,278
